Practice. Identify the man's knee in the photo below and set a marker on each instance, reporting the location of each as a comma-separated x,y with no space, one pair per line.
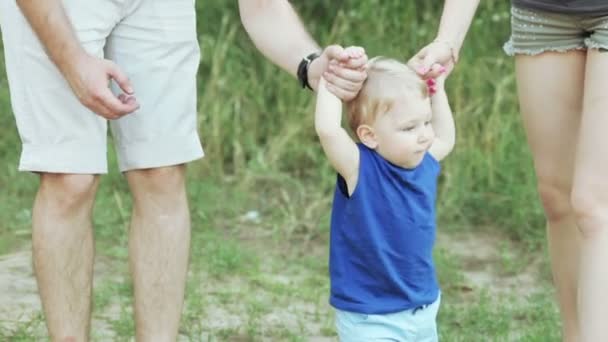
68,191
163,181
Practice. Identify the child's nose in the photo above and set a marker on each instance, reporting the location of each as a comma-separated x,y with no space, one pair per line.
424,137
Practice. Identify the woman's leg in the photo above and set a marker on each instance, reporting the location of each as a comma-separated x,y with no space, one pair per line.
590,200
550,88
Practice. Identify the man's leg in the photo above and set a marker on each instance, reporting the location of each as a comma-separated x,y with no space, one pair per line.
62,238
159,243
65,143
156,44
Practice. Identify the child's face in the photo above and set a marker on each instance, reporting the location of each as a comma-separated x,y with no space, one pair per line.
404,134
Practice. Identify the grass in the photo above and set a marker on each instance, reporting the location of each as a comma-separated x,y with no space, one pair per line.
251,281
260,200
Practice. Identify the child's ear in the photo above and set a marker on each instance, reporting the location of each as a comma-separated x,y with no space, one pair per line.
366,135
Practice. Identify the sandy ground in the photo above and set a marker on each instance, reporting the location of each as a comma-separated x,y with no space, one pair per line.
479,255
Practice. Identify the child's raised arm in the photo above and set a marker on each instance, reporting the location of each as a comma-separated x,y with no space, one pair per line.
340,149
443,122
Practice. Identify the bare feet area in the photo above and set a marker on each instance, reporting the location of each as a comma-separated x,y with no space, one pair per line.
484,262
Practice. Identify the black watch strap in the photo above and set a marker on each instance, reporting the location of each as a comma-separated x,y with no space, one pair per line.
303,69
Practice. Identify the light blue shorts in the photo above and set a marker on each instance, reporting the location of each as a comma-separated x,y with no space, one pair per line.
417,325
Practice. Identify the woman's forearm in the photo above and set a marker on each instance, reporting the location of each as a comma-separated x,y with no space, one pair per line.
456,20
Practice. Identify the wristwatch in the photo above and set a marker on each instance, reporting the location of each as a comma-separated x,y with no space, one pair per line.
303,69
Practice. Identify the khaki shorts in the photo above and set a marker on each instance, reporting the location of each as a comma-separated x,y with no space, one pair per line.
535,32
155,44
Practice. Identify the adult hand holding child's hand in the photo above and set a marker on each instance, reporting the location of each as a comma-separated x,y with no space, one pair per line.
438,82
343,69
429,59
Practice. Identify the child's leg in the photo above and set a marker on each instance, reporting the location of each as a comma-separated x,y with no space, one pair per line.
590,200
550,87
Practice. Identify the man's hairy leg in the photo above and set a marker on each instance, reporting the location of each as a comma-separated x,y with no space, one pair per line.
159,243
63,251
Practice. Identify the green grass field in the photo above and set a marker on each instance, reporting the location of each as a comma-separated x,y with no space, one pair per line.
260,200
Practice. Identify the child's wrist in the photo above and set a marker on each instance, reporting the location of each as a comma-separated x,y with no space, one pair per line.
439,90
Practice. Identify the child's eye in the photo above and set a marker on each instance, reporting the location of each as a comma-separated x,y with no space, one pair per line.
408,128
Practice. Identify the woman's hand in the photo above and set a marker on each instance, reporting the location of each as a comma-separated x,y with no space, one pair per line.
437,52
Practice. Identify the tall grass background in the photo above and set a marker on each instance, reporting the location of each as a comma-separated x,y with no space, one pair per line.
256,122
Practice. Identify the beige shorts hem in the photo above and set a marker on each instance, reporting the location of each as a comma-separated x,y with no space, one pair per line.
159,152
72,158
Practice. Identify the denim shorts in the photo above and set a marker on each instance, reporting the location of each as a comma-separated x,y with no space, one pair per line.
536,31
414,325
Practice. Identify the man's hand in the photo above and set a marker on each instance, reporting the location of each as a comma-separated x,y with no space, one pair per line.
425,61
343,69
89,78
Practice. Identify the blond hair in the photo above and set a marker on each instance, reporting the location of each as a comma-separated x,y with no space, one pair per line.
387,80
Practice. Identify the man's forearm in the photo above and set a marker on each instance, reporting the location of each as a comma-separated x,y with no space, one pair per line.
277,32
456,20
53,28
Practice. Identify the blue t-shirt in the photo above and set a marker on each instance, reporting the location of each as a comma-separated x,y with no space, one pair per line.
382,237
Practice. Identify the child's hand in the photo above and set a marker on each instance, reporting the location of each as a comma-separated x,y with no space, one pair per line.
435,84
355,52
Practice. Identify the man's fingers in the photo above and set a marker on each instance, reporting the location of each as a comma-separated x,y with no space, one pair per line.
120,78
123,98
127,99
352,75
123,104
346,70
357,63
341,83
341,93
107,105
98,108
355,51
115,105
335,52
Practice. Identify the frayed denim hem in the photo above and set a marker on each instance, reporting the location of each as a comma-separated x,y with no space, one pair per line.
511,50
592,44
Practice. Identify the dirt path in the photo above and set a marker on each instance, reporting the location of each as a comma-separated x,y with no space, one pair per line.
483,261
19,300
494,263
